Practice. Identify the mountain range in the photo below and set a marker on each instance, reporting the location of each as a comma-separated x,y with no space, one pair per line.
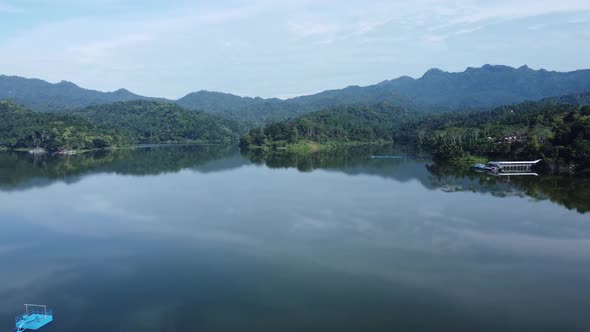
437,90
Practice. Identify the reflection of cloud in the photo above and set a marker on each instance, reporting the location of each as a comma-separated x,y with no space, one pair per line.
27,282
313,224
393,231
11,248
529,245
100,205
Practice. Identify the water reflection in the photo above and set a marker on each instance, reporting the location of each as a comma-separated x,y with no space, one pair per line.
570,192
23,171
20,171
202,239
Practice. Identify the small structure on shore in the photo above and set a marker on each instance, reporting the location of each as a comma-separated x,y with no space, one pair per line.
508,167
38,151
35,317
513,166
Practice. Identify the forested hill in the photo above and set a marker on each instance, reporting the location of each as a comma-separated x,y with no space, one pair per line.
110,125
251,112
437,90
485,87
23,128
545,129
220,103
156,122
341,124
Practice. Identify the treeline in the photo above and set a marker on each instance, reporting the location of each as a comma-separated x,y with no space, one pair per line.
22,128
156,122
559,133
110,125
382,122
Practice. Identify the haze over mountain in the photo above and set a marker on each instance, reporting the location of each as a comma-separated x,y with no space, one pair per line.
484,87
43,96
488,86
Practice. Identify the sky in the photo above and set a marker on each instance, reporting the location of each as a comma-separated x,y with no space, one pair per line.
273,48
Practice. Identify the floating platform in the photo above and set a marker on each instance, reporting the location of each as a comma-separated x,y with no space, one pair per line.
35,317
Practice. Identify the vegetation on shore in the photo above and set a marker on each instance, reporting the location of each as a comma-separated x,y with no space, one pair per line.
151,122
109,126
22,128
313,147
338,125
558,133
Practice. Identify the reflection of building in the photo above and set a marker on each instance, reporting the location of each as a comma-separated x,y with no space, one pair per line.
513,167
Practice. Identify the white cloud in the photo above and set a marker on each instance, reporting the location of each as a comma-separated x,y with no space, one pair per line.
474,12
366,27
6,8
579,20
536,26
310,29
225,16
437,38
89,53
468,30
208,46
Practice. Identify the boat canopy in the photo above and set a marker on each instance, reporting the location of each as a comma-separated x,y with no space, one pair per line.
35,317
515,163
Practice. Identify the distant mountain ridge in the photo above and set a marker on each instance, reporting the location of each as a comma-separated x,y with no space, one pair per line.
488,86
43,96
484,87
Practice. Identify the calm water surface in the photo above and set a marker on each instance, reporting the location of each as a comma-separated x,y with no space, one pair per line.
205,239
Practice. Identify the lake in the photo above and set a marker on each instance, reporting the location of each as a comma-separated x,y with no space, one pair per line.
203,238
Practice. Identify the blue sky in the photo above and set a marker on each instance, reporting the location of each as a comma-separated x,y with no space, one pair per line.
281,48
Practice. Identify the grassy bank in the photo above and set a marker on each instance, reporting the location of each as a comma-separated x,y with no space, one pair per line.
311,146
467,160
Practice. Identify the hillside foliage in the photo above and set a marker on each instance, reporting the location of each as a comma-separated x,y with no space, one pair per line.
155,122
110,125
22,128
546,129
436,91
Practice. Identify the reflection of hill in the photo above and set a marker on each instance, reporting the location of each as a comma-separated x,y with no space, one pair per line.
21,170
352,161
573,193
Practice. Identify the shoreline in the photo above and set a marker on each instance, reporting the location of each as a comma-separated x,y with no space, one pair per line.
131,147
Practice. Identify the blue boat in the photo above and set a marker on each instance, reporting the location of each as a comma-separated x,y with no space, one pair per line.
482,168
35,317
